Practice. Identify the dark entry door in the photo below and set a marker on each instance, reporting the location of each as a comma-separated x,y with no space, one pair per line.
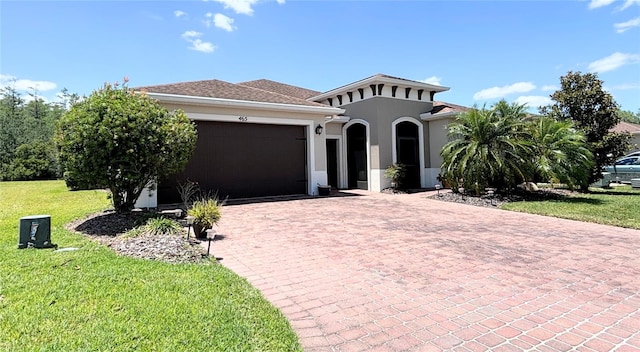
407,152
332,162
357,156
242,160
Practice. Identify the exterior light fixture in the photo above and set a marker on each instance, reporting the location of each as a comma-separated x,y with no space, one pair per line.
438,189
461,191
211,235
319,129
189,222
491,193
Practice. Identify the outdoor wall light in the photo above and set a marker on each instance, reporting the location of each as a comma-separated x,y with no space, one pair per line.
319,129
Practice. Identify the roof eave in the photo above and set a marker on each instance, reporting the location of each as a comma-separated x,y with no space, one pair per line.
245,104
427,116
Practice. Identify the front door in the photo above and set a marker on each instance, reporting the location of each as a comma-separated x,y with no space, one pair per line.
332,162
408,153
357,156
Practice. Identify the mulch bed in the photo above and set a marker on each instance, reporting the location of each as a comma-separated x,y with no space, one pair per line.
499,199
109,228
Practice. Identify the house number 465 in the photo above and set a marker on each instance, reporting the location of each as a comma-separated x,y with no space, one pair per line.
243,118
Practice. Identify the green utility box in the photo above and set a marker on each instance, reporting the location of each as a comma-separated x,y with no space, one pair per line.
35,232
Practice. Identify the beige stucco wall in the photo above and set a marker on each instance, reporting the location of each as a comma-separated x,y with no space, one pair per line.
635,143
380,112
334,128
437,139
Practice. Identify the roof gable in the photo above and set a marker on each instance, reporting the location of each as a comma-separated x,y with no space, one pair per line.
380,85
626,127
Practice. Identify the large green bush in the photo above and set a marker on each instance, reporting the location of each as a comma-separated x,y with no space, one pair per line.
33,161
122,139
501,147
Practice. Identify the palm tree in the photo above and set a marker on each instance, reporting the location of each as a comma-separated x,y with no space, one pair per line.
489,147
560,152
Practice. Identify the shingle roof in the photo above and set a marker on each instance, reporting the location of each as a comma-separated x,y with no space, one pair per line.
626,127
281,88
440,107
224,90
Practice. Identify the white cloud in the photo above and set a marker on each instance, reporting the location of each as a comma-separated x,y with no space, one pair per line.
26,84
197,44
281,2
432,80
239,6
625,26
594,4
179,13
191,34
628,3
499,92
549,88
613,62
224,22
534,101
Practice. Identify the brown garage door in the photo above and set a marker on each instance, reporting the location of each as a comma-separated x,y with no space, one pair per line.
242,160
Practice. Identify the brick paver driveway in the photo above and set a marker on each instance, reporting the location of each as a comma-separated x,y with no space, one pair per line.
402,272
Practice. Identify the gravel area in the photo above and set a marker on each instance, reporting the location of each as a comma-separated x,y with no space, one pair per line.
109,228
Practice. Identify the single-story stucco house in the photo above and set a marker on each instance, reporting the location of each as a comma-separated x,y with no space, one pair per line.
264,138
631,128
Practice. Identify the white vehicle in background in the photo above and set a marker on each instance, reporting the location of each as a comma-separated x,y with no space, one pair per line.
625,168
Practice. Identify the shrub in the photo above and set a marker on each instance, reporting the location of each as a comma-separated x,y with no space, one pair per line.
163,226
206,212
395,173
33,161
124,140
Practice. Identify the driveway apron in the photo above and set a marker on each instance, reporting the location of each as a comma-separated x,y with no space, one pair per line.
406,273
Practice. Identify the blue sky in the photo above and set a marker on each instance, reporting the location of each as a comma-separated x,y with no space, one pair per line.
483,50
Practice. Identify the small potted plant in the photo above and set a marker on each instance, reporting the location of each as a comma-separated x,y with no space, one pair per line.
206,213
395,173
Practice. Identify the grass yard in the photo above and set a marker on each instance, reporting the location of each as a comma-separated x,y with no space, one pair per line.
94,300
618,206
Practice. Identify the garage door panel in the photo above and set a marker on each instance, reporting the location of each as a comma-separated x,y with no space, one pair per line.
242,160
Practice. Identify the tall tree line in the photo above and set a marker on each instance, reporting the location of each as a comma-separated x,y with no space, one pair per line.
27,149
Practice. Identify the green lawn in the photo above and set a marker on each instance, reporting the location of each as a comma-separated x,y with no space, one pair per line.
93,300
618,206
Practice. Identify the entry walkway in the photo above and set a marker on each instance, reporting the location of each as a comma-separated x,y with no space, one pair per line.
405,273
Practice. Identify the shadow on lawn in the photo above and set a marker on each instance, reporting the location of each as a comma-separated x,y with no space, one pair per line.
580,200
558,197
615,193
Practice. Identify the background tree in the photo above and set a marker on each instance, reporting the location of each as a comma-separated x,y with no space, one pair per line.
34,161
11,125
628,116
26,132
123,140
582,99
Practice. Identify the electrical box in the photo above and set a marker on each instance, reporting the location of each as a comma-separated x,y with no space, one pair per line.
35,232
